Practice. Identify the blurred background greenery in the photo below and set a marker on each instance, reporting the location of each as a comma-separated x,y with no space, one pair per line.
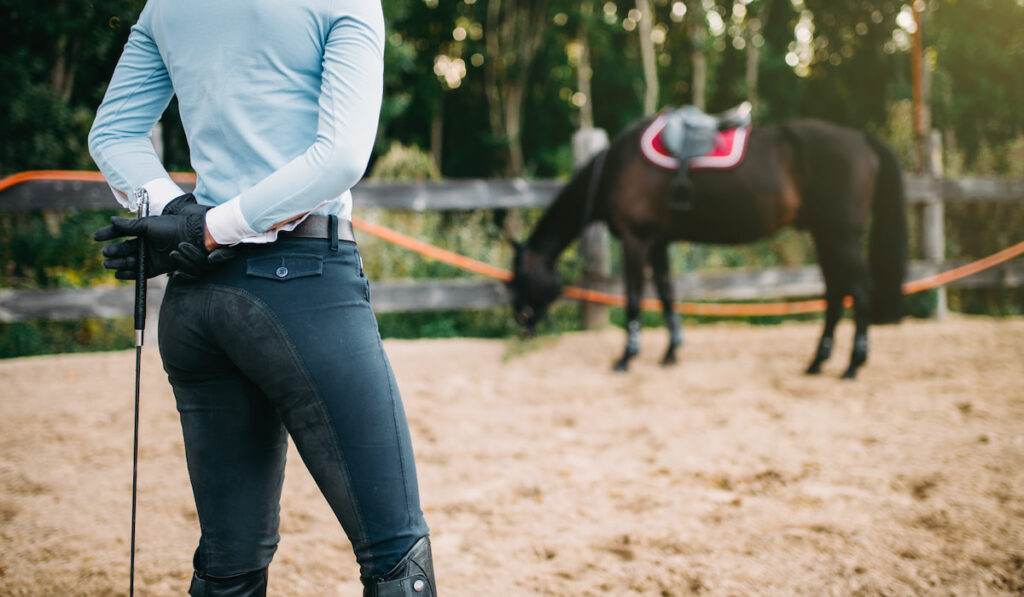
482,88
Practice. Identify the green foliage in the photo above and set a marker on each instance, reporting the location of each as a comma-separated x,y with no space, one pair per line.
27,338
979,55
58,57
922,304
405,163
974,230
47,250
52,249
495,322
855,73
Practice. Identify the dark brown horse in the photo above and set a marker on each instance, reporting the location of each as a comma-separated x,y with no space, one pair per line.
809,174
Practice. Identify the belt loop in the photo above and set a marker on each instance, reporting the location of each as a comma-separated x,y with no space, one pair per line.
332,231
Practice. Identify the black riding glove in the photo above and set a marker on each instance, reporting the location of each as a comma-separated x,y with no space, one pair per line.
189,260
174,240
184,205
162,233
123,257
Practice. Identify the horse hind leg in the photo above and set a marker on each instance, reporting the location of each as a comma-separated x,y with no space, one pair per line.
663,284
829,247
845,272
862,318
833,311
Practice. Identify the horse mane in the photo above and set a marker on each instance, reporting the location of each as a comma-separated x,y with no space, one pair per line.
564,219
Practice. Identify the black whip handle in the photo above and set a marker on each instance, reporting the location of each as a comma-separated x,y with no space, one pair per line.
140,279
140,290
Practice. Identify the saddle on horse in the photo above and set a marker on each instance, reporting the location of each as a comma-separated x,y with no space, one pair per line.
690,133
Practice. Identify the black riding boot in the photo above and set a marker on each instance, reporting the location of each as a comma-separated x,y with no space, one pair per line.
681,195
412,576
250,584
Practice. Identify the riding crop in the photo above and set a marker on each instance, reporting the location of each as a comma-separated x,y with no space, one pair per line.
140,326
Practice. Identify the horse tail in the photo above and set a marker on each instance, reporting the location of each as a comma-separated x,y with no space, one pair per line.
888,246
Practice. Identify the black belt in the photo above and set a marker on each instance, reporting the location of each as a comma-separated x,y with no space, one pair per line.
315,226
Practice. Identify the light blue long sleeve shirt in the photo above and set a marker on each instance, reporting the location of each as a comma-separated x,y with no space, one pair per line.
279,102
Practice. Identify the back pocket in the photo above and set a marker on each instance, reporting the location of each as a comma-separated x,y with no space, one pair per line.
285,267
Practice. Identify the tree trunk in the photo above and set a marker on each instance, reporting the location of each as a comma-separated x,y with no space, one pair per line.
493,45
698,38
513,37
753,30
583,73
647,53
62,73
513,128
436,132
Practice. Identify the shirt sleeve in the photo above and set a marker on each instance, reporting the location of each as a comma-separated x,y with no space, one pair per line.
349,106
119,141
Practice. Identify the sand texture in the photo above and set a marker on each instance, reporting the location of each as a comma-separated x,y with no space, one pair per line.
542,472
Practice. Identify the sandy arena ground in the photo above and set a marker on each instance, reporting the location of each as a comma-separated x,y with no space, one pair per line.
544,473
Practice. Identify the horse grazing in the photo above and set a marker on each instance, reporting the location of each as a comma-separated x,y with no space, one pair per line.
809,174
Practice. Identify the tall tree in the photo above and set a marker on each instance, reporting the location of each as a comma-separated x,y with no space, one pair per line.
698,30
584,72
857,70
644,29
978,50
780,90
753,41
514,29
55,61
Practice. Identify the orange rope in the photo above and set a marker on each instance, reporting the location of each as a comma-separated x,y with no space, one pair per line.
76,175
595,296
964,270
708,309
460,261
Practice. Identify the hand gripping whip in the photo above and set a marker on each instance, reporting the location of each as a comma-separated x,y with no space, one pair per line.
142,206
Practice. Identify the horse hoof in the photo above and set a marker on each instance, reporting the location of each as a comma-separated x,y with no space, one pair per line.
849,374
814,369
621,365
669,359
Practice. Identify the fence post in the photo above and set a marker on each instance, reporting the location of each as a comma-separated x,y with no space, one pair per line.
933,234
594,251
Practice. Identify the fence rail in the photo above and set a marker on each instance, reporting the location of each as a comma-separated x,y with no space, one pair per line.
435,295
469,194
425,295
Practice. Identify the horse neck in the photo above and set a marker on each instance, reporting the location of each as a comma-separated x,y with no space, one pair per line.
563,222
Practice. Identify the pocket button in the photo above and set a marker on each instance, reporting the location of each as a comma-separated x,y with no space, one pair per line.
281,272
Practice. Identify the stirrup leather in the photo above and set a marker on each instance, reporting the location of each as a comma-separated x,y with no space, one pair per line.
412,576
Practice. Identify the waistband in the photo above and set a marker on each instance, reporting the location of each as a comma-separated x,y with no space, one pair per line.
318,226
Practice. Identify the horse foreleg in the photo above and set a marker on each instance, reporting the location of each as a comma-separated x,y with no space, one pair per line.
632,345
634,254
663,284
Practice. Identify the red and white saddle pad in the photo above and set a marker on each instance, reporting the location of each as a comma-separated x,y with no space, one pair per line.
730,147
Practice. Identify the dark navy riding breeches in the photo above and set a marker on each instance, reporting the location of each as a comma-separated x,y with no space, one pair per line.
282,341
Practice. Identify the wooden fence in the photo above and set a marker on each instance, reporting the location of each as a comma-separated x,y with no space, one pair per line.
389,295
